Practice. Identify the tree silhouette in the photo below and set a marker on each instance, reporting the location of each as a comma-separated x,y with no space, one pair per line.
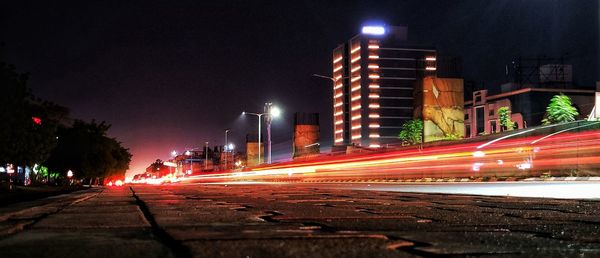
85,149
29,124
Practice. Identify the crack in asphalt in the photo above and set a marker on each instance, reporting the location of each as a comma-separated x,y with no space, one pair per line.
176,247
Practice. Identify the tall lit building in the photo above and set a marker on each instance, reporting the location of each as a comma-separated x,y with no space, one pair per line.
375,74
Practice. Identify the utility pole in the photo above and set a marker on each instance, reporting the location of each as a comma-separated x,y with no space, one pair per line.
206,158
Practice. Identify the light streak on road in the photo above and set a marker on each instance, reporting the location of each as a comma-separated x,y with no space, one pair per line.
510,157
558,152
560,190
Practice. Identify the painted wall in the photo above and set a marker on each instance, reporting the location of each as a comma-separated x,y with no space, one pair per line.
442,108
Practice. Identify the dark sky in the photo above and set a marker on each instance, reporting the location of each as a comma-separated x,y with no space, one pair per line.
174,74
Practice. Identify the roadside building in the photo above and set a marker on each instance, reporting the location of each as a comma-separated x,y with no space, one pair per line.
527,99
374,79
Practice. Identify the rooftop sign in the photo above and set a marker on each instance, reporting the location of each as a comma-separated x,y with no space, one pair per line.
373,30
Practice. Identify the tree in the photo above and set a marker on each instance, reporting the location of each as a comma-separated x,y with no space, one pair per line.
85,149
560,110
506,122
29,124
412,131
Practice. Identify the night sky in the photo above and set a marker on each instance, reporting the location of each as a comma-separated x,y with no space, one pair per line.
173,74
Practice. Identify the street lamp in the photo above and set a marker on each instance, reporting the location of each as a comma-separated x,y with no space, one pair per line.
206,157
189,154
270,111
259,124
225,149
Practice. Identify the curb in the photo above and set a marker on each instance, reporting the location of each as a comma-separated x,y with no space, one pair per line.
570,178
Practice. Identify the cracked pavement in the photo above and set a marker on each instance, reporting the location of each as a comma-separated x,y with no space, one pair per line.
294,221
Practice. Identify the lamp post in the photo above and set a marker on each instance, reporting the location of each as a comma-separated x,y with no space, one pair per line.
259,124
225,149
206,156
270,111
334,80
189,154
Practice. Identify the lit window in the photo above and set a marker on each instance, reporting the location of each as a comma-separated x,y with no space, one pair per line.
338,113
355,79
373,57
374,105
372,115
355,136
338,86
430,68
356,88
355,59
355,49
338,95
430,58
355,98
373,125
355,107
373,135
373,46
373,76
338,122
337,68
355,117
339,131
373,66
356,127
337,59
373,96
355,69
339,104
374,146
338,140
373,86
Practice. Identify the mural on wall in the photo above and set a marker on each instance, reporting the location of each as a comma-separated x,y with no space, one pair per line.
441,106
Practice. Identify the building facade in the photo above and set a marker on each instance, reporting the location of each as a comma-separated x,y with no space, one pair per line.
527,104
374,76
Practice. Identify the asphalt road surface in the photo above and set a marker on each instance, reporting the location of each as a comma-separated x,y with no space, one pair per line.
282,220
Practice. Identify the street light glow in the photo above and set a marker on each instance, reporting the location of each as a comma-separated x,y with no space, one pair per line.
275,112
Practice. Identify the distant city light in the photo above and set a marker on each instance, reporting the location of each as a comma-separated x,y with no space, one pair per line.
373,30
69,174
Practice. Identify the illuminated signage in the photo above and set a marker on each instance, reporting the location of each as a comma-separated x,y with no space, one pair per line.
373,30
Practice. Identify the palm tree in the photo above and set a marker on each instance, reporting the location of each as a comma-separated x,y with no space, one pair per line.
560,110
